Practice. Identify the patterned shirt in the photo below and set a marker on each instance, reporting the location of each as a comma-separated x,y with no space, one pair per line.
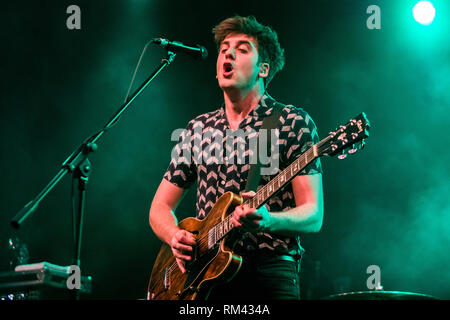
218,159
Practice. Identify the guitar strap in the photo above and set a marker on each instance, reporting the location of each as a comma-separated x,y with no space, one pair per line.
269,122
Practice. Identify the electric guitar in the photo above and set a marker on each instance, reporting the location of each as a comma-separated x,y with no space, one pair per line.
213,260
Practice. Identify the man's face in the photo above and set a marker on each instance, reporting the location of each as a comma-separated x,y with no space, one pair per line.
237,63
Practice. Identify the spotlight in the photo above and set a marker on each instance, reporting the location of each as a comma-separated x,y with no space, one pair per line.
424,12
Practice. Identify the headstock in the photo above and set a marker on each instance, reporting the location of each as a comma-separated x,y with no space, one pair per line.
346,139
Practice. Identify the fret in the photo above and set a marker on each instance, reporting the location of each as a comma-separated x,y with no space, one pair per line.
260,197
216,233
282,178
230,223
269,188
219,231
295,166
226,226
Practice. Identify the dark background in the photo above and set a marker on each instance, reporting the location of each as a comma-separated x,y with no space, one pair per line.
386,205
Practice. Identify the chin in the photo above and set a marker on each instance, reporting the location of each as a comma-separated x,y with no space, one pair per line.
227,84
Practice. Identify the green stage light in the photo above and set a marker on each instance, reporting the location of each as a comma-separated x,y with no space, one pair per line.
424,12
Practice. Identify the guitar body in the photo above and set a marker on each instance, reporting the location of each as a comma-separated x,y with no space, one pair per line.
209,266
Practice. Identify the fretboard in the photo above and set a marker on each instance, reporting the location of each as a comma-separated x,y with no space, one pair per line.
221,229
283,178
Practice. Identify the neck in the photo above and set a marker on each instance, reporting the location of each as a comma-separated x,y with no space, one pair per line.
239,103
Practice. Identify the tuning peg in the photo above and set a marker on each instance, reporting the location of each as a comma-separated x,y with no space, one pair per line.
353,149
342,156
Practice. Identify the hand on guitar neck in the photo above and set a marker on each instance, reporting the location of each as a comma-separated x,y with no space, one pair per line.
251,219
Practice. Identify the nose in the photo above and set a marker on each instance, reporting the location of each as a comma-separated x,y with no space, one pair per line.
230,53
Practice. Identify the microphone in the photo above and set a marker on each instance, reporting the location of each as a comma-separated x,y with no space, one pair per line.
196,51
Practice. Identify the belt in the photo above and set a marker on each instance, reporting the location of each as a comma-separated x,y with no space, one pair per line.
270,258
282,257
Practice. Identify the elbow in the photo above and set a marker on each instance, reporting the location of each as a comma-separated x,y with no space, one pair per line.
152,216
317,221
317,226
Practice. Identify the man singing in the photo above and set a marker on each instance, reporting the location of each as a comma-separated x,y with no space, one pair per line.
249,56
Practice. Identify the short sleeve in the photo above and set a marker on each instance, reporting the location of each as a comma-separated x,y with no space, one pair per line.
182,170
301,135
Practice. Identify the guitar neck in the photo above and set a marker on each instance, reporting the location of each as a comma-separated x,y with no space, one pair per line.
283,178
221,229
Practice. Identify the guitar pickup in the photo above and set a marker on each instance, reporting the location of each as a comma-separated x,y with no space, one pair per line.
166,279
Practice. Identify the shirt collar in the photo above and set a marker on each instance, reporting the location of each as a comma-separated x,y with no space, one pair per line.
263,109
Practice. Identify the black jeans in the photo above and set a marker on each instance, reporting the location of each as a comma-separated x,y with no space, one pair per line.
264,278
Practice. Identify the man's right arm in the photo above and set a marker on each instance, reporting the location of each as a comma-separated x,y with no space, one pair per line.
165,224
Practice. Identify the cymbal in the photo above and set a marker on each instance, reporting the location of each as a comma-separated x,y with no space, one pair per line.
380,295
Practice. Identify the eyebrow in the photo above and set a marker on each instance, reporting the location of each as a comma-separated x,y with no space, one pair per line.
226,42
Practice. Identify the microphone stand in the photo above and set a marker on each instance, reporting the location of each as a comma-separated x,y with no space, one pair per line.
80,167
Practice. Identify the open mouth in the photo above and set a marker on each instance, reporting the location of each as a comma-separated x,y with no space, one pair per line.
227,69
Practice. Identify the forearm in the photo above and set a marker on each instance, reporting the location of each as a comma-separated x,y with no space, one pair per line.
306,218
163,221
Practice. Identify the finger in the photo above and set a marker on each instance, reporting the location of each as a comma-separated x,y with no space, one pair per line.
248,213
248,194
181,265
251,226
252,216
185,237
178,254
181,247
235,222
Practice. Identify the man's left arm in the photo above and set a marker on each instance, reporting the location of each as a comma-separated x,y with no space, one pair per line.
306,217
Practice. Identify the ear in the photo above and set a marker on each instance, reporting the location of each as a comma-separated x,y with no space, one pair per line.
263,70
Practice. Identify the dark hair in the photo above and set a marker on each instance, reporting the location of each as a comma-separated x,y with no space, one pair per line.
269,48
